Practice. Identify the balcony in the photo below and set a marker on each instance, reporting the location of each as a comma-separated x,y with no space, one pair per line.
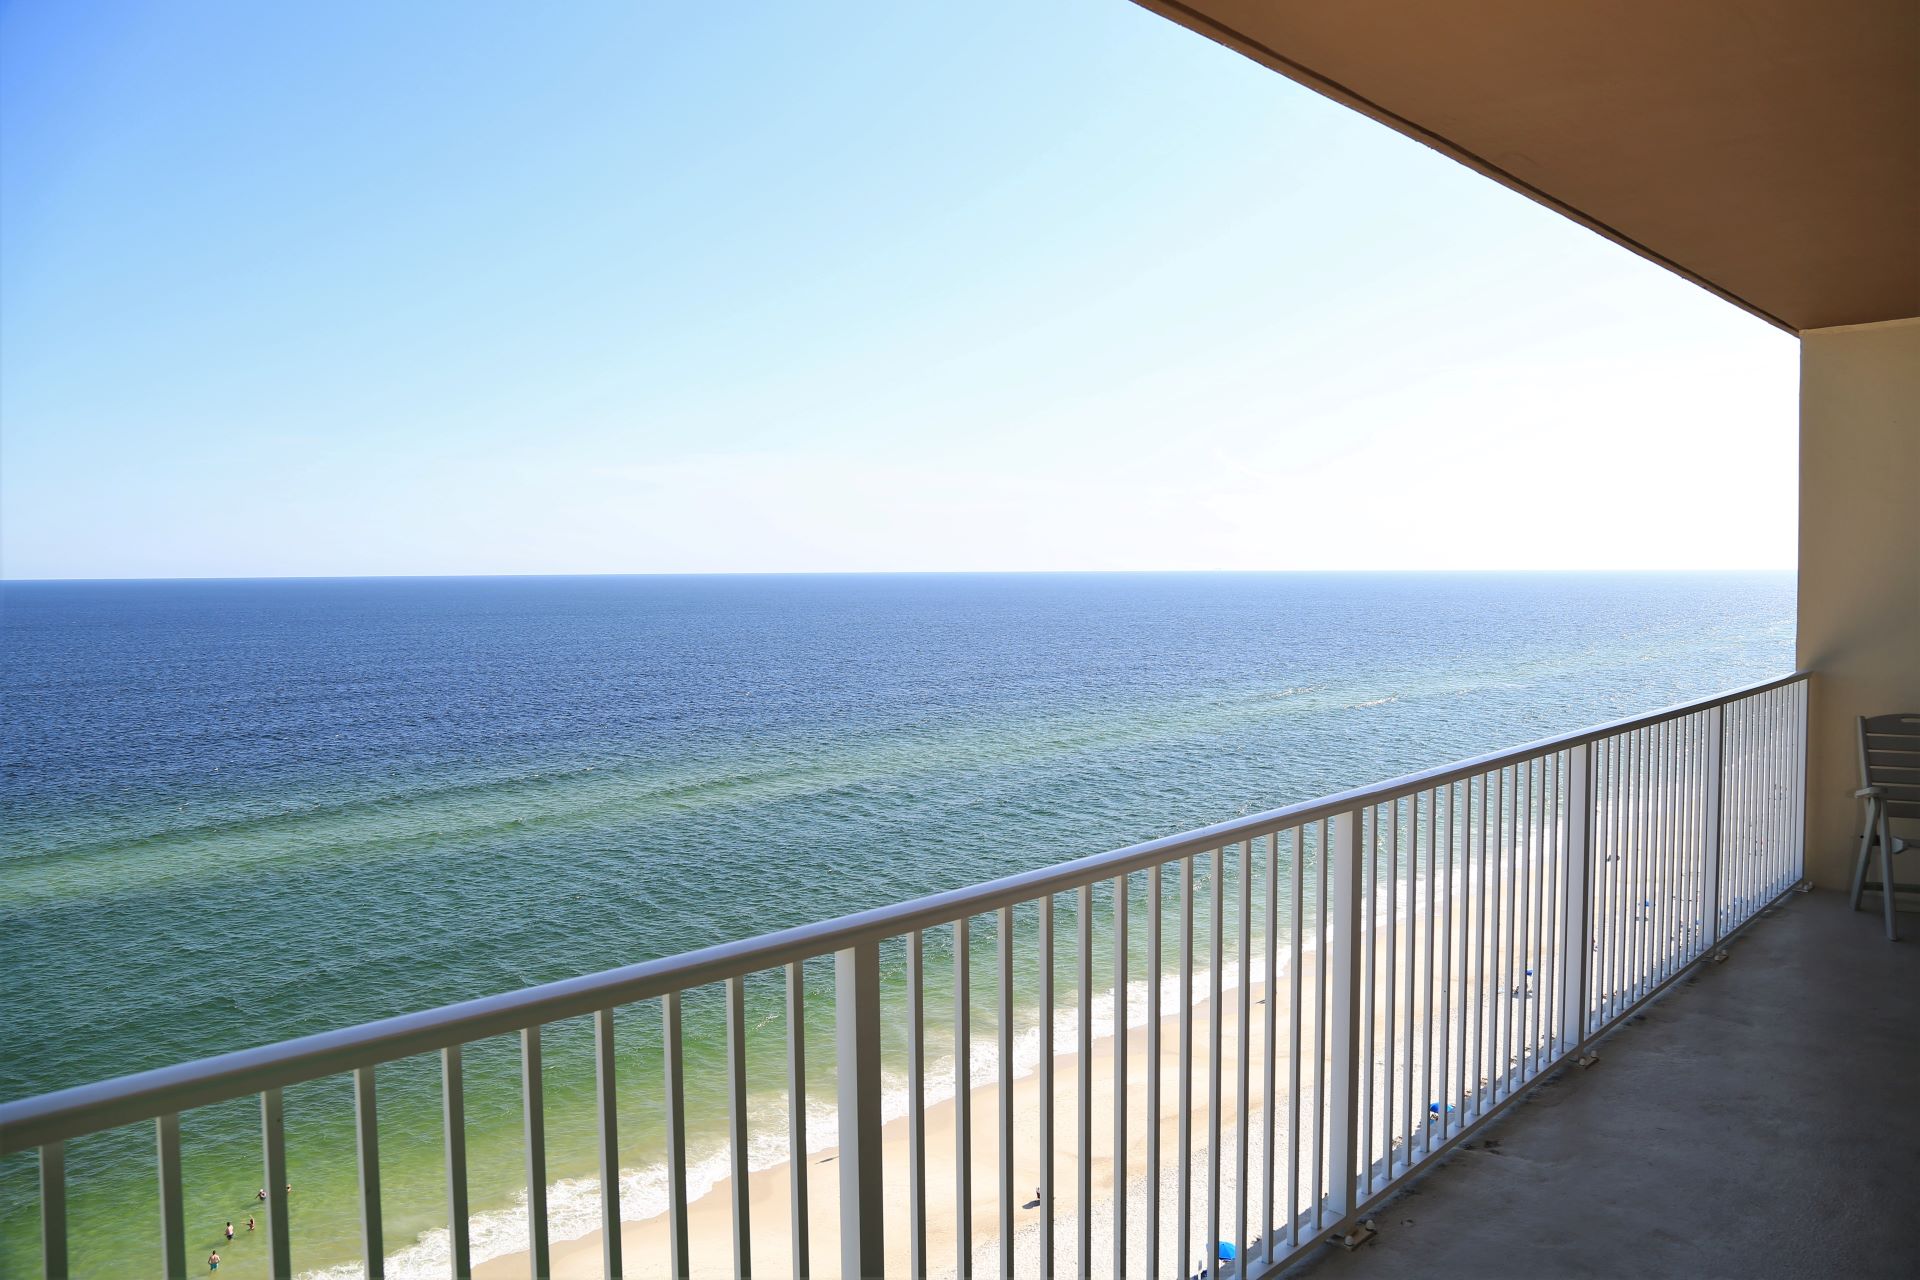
1378,976
1711,1140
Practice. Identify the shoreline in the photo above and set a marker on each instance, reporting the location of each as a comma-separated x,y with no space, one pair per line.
710,1216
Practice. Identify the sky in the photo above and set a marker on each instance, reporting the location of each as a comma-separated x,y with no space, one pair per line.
358,288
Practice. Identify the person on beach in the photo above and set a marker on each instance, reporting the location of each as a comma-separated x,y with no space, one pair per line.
213,1260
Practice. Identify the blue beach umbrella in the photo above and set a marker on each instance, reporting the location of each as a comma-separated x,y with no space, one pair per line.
1227,1252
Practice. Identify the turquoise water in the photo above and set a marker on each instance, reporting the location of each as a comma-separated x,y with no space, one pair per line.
241,811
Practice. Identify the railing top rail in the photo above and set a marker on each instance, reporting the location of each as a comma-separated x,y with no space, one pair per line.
30,1122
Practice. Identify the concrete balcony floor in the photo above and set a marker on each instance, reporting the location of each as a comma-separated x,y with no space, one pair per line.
1761,1119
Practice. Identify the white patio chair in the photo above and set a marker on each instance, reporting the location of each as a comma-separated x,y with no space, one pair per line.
1890,788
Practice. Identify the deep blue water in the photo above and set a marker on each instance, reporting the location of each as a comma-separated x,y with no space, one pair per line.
240,811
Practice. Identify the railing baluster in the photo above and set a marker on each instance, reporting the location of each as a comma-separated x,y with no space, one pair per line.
607,1106
1343,964
963,1099
1046,1087
1657,863
737,1126
1083,1100
1780,765
1296,1010
1450,1012
1734,840
1482,966
1763,800
1782,786
1599,878
1534,873
1005,940
797,1117
1631,760
1546,950
173,1230
1244,1042
1686,819
53,1211
1782,783
1679,864
1672,931
1693,831
533,1109
679,1245
1617,793
1774,790
1390,1032
1576,952
1322,1001
1642,864
1120,967
1747,761
1408,1035
1414,1023
1523,977
1782,749
1154,899
1753,828
1705,734
1552,924
1650,864
1473,952
1268,1104
1797,785
1184,1199
1532,803
1504,888
1369,960
366,1141
453,1116
856,974
916,1106
1427,986
1216,898
1752,754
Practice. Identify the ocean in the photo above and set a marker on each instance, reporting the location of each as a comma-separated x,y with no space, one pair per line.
239,811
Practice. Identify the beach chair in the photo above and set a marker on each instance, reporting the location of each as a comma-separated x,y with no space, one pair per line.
1890,790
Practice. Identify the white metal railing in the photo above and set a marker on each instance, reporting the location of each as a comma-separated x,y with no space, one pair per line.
1440,940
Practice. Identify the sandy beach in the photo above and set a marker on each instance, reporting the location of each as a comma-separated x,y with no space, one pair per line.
710,1218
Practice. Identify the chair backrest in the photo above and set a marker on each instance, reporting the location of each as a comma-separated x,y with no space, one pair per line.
1890,758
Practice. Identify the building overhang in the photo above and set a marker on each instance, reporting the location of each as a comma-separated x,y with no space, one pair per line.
1768,150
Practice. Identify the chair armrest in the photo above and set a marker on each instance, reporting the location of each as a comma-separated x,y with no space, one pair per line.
1864,792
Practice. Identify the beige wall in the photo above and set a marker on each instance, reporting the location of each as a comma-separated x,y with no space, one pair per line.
1859,625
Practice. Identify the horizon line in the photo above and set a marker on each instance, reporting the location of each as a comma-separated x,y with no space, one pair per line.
869,573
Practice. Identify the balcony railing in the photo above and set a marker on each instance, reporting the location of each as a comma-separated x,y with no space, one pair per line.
1442,940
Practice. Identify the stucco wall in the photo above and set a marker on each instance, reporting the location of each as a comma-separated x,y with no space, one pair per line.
1859,616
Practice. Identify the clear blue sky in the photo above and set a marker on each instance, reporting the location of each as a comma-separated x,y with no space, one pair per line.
303,288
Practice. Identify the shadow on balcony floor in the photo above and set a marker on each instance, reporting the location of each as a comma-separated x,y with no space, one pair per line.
1763,1119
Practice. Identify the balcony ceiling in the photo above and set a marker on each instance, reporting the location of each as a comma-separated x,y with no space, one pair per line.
1768,150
